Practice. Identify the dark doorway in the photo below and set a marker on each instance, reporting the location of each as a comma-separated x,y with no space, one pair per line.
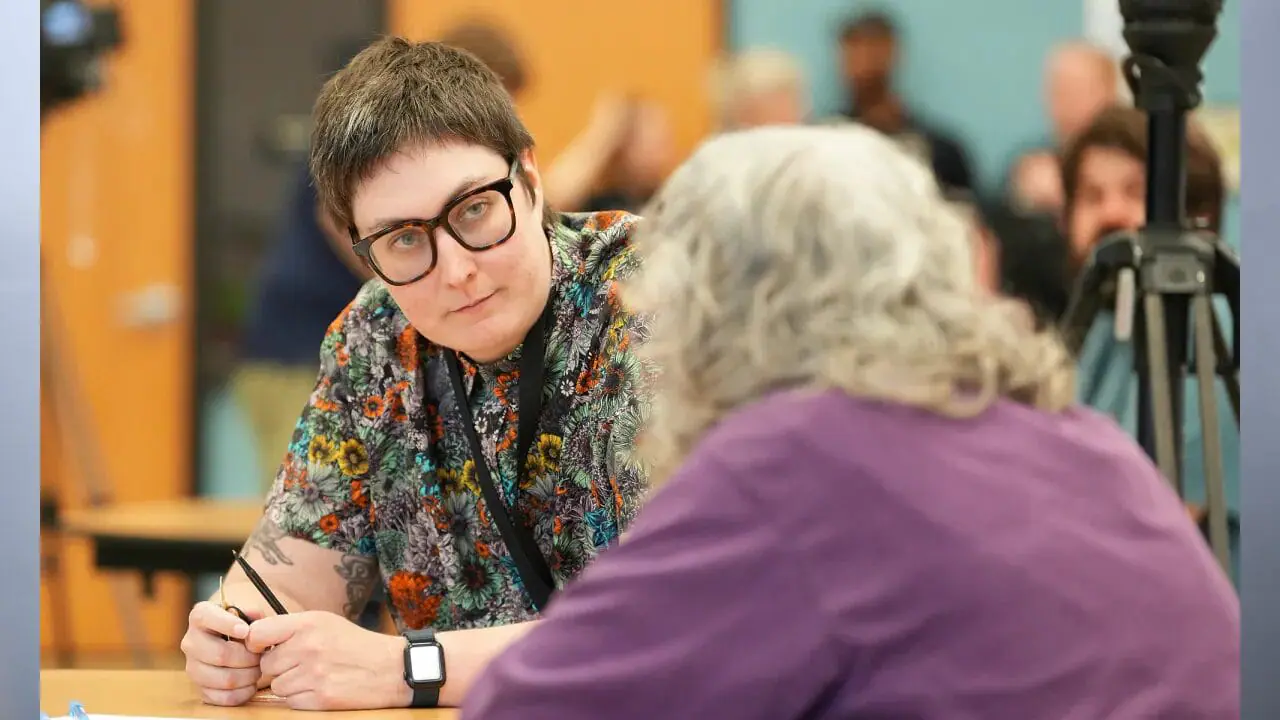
259,66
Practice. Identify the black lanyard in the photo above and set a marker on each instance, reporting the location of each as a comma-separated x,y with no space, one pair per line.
533,568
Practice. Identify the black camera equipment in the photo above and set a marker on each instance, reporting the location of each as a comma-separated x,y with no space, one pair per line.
73,39
1163,278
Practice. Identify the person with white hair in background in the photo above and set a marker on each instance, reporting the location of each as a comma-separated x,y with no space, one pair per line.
759,87
874,494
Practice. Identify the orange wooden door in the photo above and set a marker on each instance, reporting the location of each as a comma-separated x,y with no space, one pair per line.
661,50
117,235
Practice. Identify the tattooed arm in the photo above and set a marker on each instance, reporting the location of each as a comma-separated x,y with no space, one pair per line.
303,575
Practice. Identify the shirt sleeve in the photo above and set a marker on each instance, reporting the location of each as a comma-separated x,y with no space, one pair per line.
696,614
628,376
319,494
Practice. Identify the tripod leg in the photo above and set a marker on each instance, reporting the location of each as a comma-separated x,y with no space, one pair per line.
1214,492
1231,377
1161,400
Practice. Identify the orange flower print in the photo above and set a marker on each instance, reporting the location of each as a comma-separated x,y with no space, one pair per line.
395,406
590,376
358,495
373,406
353,458
329,524
344,356
293,474
407,591
503,385
435,421
335,327
407,349
509,437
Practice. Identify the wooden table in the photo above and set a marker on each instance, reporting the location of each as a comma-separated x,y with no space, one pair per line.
194,536
168,694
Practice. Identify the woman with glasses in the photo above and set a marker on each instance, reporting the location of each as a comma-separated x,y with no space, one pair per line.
467,444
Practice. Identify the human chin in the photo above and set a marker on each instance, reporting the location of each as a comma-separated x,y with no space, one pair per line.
488,332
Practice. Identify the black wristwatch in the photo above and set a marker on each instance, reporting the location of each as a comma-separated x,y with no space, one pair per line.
423,667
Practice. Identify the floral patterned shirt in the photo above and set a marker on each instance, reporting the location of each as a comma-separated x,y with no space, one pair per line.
380,467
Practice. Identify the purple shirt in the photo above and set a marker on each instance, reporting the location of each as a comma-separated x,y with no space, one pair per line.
824,557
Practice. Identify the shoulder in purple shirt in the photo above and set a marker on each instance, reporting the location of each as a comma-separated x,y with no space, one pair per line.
824,557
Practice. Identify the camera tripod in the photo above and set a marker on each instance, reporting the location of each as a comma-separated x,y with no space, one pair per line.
1164,277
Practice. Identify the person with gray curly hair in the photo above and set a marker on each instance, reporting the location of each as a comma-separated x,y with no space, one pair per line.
876,496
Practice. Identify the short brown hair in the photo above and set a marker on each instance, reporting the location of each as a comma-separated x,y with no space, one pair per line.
395,94
1125,129
494,48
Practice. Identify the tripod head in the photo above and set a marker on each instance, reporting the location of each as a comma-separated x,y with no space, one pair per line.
1174,33
1168,40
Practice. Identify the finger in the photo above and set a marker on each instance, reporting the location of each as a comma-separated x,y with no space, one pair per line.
306,700
227,698
292,682
279,660
271,631
211,677
213,650
213,619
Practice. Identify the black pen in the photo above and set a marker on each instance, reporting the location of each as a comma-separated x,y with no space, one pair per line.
257,581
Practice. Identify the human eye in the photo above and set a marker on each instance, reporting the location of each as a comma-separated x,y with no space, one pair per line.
474,209
405,239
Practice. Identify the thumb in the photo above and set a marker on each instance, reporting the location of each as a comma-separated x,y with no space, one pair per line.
271,631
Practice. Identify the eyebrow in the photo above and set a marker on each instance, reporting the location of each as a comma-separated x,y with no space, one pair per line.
465,185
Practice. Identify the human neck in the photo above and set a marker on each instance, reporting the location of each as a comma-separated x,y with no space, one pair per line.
539,300
881,110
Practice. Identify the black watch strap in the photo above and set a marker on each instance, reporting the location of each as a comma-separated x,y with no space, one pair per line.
426,698
423,697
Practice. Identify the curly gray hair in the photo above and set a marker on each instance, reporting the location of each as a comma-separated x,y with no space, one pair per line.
822,257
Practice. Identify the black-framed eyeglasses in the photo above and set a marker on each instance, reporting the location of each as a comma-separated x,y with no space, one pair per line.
479,219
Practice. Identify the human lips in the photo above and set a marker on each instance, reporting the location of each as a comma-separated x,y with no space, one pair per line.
474,304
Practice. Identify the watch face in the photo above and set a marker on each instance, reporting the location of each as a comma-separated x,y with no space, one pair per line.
426,663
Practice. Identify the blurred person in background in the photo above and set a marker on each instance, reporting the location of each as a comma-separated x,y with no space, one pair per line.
1104,173
639,163
1080,80
617,161
874,494
869,50
1025,257
490,359
308,276
759,87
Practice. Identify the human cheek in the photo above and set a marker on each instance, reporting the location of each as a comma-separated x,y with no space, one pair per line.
420,303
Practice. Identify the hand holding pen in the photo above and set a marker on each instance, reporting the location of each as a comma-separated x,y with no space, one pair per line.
259,584
226,672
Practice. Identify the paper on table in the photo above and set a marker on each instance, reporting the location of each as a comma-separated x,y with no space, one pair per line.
96,716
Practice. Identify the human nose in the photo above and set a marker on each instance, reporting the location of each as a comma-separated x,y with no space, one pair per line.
1123,213
455,263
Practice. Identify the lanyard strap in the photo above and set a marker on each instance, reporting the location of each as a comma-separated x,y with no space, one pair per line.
529,561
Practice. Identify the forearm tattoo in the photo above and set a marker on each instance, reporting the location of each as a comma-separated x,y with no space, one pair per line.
361,575
266,541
